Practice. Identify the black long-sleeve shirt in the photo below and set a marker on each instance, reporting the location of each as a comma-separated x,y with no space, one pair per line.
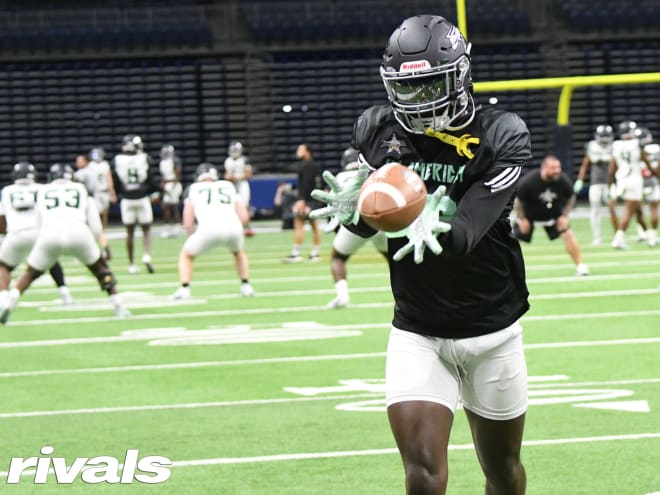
477,285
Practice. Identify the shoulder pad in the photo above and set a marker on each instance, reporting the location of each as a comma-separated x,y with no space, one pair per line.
507,135
370,120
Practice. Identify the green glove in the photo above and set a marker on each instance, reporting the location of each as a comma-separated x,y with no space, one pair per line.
422,233
342,197
577,187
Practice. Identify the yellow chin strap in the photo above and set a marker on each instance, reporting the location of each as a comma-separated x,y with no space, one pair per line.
461,143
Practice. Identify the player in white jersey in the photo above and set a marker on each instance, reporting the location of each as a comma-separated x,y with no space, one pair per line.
69,224
597,160
626,171
104,193
220,219
18,220
651,182
346,243
170,184
135,181
238,170
87,175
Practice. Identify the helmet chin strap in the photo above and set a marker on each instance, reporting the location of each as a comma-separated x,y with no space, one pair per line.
460,143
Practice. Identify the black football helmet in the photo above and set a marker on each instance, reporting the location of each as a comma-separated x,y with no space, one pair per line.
167,152
24,172
604,134
627,129
60,171
644,135
206,171
349,158
426,72
235,149
132,144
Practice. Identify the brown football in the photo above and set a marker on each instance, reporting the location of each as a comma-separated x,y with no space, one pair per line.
392,197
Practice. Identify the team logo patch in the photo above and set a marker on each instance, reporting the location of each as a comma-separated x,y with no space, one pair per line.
454,36
394,145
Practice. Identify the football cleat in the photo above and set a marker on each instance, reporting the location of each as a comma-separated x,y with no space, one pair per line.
146,259
336,303
292,258
132,269
581,270
247,290
181,293
121,312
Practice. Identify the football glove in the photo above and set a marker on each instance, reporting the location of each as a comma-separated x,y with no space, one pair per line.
424,229
342,197
577,187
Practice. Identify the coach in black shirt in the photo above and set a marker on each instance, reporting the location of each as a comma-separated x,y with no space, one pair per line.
309,178
545,197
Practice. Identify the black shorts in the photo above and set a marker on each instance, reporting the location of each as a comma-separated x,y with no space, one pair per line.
551,230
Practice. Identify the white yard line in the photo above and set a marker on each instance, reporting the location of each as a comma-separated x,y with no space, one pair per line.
188,405
287,280
219,461
299,309
252,362
393,451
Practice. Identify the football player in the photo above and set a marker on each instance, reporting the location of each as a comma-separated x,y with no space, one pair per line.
104,193
18,220
346,243
625,169
597,161
170,183
87,173
457,275
651,183
220,217
239,170
69,225
136,183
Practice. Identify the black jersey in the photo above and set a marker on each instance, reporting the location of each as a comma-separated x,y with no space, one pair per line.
477,285
309,178
544,200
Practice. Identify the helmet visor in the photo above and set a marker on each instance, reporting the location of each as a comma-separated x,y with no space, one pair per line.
421,90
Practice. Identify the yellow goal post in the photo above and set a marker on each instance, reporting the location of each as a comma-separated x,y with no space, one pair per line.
567,85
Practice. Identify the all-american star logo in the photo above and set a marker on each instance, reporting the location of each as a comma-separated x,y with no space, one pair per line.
394,145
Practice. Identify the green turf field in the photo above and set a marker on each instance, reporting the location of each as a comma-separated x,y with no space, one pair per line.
276,395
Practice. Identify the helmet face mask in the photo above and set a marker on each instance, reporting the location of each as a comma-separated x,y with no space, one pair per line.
426,73
132,144
24,172
604,134
627,129
644,135
167,152
235,150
